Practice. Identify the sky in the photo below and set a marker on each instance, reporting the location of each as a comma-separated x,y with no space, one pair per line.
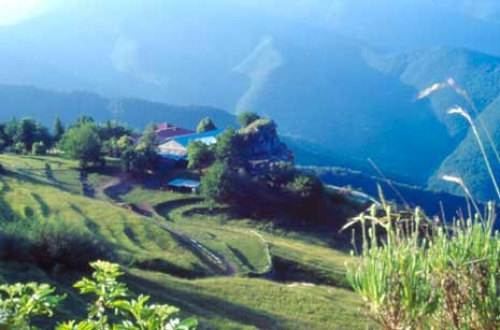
16,11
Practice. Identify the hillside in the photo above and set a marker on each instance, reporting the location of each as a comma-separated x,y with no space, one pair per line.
345,87
150,233
45,105
479,74
276,67
467,161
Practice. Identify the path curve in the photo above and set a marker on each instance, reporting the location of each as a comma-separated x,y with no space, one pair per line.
217,264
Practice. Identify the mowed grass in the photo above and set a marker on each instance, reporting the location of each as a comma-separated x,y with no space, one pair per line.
133,238
221,302
243,303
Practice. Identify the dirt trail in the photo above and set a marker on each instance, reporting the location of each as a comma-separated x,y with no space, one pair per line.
111,190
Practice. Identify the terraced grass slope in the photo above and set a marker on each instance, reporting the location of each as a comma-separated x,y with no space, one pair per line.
172,252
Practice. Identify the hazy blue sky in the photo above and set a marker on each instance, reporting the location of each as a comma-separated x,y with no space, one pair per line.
12,11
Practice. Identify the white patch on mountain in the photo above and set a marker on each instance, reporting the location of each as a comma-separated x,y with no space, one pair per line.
258,66
126,58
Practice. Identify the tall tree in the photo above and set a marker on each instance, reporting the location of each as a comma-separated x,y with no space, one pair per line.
143,158
199,155
26,134
246,118
228,148
82,142
58,129
205,125
216,183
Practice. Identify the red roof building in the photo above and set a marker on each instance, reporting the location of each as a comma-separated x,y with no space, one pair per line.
166,131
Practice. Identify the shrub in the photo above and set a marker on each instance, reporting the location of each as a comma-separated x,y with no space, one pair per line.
49,243
216,184
82,142
113,308
205,125
246,118
54,242
38,148
21,302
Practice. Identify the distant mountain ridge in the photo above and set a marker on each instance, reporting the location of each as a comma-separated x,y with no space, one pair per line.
45,105
321,81
479,75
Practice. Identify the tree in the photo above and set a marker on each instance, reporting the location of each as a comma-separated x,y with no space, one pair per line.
228,148
10,131
205,125
83,143
199,155
58,129
38,148
216,184
83,119
26,133
246,118
144,157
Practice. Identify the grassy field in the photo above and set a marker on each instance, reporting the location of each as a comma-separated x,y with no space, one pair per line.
158,261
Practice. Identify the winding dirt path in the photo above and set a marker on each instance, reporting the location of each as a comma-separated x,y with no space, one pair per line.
110,190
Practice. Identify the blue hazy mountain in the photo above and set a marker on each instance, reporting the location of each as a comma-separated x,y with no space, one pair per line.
343,74
45,105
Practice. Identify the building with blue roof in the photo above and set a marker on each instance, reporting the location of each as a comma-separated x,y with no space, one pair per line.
176,148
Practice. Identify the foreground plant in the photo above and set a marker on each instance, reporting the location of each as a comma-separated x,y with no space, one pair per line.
19,303
413,276
113,308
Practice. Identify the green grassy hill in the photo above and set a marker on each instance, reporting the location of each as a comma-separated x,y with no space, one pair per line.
207,262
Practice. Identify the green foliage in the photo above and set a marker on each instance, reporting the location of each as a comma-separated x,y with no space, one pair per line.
82,142
50,243
305,186
26,133
216,184
144,157
39,149
19,136
19,303
205,125
228,148
113,308
199,155
422,277
58,129
246,118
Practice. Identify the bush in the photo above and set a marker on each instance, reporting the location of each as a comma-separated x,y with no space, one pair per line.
49,243
113,308
216,185
82,142
246,118
205,125
38,148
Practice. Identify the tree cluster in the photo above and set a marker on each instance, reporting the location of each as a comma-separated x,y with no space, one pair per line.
228,178
141,158
83,140
25,136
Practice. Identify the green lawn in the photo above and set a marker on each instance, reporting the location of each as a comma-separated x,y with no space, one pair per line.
152,255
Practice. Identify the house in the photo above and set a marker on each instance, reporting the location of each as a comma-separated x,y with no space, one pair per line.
181,184
175,149
165,132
